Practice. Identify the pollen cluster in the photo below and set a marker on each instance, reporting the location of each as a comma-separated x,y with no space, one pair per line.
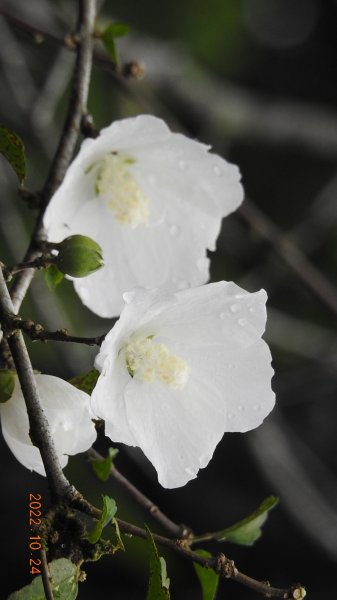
151,361
116,185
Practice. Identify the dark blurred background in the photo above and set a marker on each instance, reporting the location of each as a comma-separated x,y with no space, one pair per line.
257,80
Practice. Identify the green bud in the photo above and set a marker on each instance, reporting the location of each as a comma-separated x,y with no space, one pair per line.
79,256
7,384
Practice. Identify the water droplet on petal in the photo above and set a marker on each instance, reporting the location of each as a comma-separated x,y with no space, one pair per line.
242,322
241,408
251,309
257,407
235,308
223,315
174,230
217,170
230,415
182,165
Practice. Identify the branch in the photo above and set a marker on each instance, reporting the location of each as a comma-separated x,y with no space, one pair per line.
39,429
220,563
291,254
172,528
46,579
37,332
77,108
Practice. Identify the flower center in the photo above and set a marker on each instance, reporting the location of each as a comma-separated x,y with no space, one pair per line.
116,185
149,361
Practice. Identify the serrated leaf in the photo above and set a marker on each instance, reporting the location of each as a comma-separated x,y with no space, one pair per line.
108,36
108,512
209,580
64,583
158,583
53,277
12,148
85,382
102,466
247,531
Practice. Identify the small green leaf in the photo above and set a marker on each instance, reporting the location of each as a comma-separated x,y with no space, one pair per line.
247,531
85,382
64,583
209,580
108,36
53,277
158,583
102,466
7,384
108,512
12,148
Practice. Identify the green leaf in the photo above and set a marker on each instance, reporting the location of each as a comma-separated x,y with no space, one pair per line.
53,277
7,384
158,583
85,382
102,466
64,583
108,36
209,580
12,148
108,512
247,531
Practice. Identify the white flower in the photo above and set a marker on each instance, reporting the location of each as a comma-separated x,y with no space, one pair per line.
68,412
152,199
179,370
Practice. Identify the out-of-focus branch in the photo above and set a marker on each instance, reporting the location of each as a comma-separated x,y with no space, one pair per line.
39,429
77,108
291,254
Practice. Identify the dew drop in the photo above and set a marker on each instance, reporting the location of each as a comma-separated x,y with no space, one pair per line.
257,407
174,230
242,322
217,170
235,308
251,309
241,408
182,165
223,315
230,415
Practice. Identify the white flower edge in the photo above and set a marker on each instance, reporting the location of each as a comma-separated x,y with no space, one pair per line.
223,385
68,413
190,190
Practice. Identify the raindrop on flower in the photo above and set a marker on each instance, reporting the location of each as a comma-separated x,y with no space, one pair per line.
235,308
217,170
174,230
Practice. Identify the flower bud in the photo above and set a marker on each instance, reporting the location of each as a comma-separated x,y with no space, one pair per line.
79,256
7,384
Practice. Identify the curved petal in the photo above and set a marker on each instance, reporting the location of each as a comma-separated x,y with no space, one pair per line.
68,414
177,430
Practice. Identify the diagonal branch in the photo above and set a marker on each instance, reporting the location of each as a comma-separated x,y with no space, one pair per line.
172,528
77,108
39,429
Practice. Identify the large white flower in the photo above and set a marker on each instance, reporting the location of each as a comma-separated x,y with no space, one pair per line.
179,370
68,412
152,199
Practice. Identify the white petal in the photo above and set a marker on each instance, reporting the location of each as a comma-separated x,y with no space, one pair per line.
189,192
68,414
107,401
177,430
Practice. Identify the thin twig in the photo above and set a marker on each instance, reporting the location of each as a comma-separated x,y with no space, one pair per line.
77,108
172,528
220,563
46,578
39,428
290,253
